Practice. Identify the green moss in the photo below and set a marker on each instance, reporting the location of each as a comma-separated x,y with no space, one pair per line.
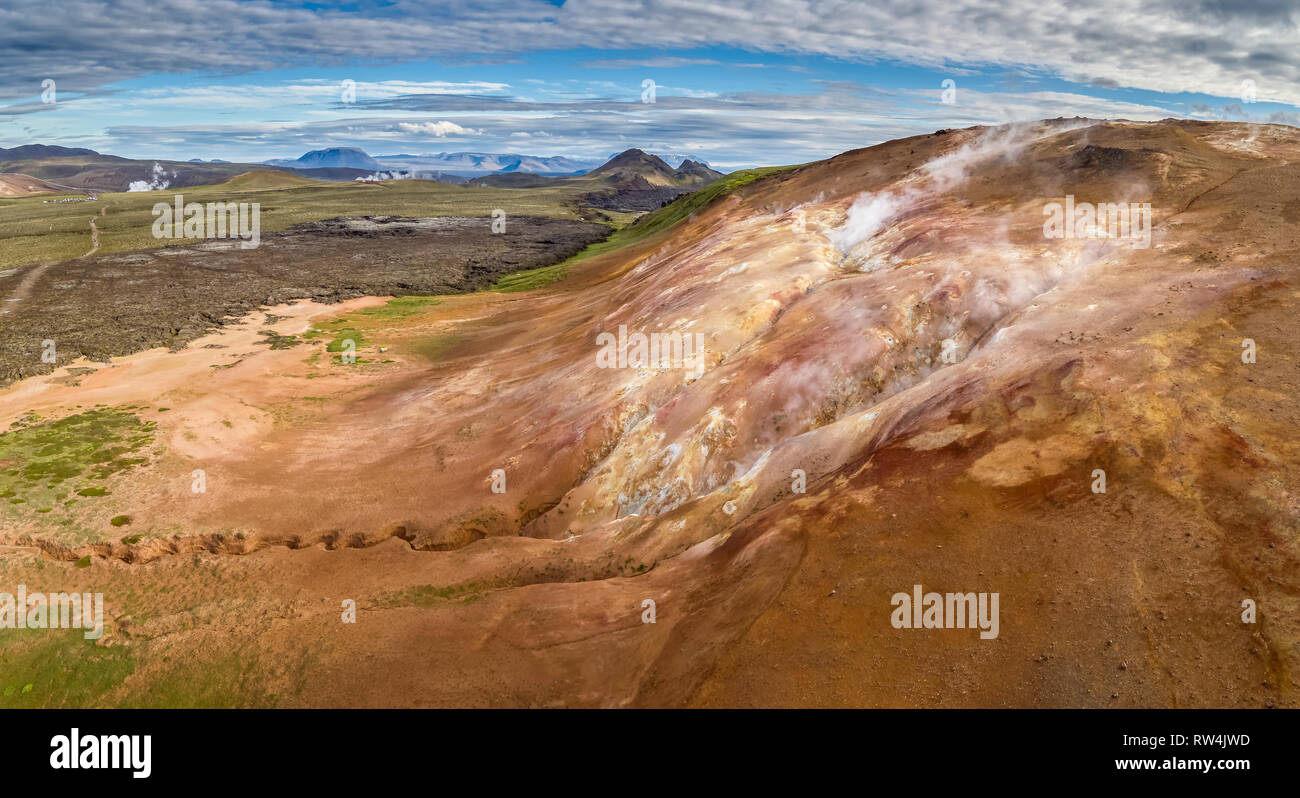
44,668
227,681
400,307
341,337
93,442
535,278
43,456
84,562
278,341
120,520
59,668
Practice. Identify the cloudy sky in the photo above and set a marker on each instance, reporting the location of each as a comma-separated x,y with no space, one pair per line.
736,82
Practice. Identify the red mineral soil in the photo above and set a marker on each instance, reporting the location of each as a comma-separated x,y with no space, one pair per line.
826,298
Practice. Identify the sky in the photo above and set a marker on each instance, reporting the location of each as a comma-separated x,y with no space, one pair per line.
736,84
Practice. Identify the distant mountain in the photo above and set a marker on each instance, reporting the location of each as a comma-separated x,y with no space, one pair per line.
636,163
331,158
477,164
457,166
85,170
28,151
630,182
672,159
698,169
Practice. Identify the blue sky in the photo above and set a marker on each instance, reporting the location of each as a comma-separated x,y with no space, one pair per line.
737,84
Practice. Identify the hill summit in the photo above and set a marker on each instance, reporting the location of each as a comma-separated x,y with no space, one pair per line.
635,180
27,151
332,158
639,163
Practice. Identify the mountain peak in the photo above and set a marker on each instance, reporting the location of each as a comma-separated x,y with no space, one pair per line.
634,161
691,168
330,158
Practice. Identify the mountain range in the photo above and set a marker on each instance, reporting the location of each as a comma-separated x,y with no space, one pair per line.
632,180
476,164
79,169
671,158
461,164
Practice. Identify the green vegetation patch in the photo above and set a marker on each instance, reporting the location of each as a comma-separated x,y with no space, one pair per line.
50,669
233,680
34,231
278,341
400,307
358,324
536,278
38,458
339,334
341,337
53,668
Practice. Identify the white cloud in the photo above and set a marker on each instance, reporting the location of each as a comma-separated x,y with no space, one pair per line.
439,129
1204,46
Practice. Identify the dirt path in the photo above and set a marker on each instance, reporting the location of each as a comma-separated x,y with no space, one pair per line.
24,288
